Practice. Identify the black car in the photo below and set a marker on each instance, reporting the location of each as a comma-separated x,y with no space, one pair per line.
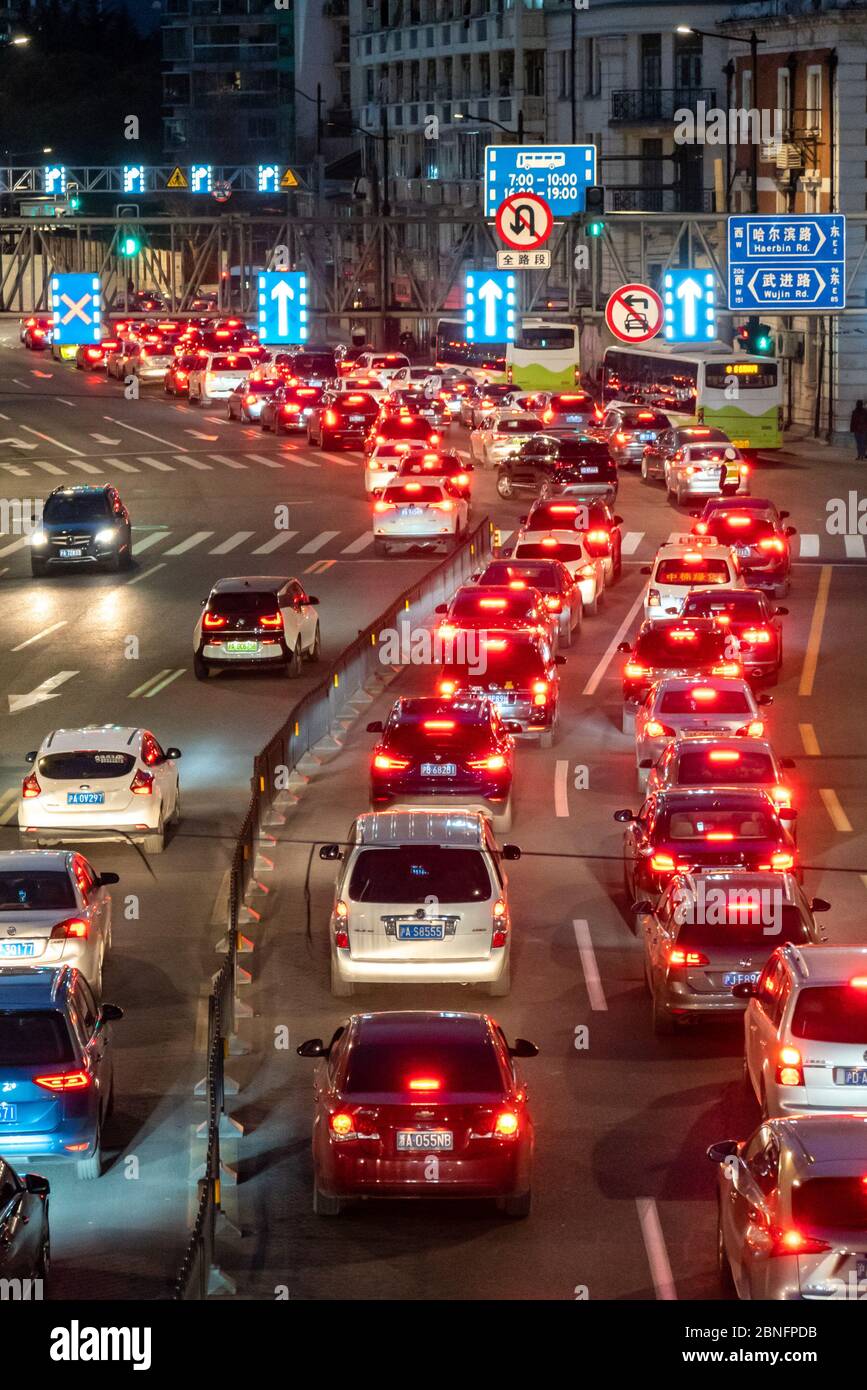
672,647
82,525
315,366
549,467
289,407
341,417
517,672
25,1243
760,541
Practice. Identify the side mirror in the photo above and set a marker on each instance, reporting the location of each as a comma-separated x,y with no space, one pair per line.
722,1149
312,600
313,1047
820,905
624,817
36,1185
511,852
559,661
787,762
109,1013
791,531
173,753
624,647
523,1048
441,608
330,852
744,990
104,880
781,612
643,907
30,757
788,813
646,569
764,699
646,763
375,726
783,515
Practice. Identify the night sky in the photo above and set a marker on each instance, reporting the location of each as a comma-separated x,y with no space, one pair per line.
146,13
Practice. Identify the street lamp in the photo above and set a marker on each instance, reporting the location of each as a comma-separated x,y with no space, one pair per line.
753,40
486,120
343,128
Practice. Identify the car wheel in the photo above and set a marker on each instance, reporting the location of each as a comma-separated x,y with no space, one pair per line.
201,669
518,1207
380,548
504,485
293,665
724,1269
324,1205
113,563
37,568
645,475
315,651
88,1169
340,988
592,608
627,720
277,424
498,989
678,497
126,554
323,443
663,1023
155,841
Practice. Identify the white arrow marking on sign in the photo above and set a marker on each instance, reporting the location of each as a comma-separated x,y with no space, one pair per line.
690,292
769,304
282,292
17,443
489,293
47,690
75,309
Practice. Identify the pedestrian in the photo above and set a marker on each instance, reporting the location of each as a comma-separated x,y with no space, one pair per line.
858,426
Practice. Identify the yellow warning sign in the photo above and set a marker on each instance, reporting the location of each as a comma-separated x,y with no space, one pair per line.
289,180
177,179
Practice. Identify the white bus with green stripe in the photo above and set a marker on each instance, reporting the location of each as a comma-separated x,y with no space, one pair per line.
739,394
544,356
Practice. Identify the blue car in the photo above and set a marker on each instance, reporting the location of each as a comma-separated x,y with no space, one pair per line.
55,1067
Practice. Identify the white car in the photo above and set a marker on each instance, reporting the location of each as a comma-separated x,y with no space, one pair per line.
381,364
500,434
410,513
588,571
421,898
679,707
362,381
254,622
148,362
700,470
721,761
414,379
100,782
383,464
55,909
684,563
219,375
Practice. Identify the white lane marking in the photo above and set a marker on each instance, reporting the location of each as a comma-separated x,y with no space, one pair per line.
146,541
155,689
71,404
561,787
46,466
317,542
56,442
230,463
654,1245
855,548
15,468
147,434
139,577
305,463
156,463
197,434
195,539
103,438
360,543
231,544
262,458
119,463
808,546
26,385
9,805
151,680
193,463
342,462
15,545
37,635
631,541
282,538
836,814
592,979
84,467
45,690
593,683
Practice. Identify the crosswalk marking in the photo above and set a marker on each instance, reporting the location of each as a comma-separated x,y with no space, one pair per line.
809,547
156,463
139,545
339,459
317,542
8,805
15,545
230,463
855,548
360,543
83,467
262,458
282,538
195,539
46,466
631,541
231,544
119,463
194,463
303,463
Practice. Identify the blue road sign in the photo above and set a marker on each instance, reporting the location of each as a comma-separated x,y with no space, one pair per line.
490,302
76,308
688,304
790,264
268,178
201,178
558,173
54,178
133,178
282,306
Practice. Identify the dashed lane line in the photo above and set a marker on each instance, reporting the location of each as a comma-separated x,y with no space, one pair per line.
836,814
592,978
561,787
814,640
654,1245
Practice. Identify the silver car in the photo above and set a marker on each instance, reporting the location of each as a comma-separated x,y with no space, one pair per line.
500,434
679,707
701,470
629,429
54,910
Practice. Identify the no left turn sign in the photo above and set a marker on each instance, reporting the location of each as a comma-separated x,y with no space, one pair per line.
524,221
634,313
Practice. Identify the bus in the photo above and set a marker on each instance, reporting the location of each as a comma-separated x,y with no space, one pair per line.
544,357
739,394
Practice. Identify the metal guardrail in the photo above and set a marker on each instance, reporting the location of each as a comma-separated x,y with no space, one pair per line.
314,718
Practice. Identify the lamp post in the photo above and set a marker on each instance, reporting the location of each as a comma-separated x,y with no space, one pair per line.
486,120
753,40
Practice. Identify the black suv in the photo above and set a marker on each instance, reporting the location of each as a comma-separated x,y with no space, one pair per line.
82,525
549,466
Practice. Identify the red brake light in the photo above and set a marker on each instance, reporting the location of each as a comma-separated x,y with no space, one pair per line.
74,927
679,957
598,537
682,634
341,1124
755,729
791,1242
620,437
506,1124
412,487
30,787
425,1083
859,982
782,860
552,602
142,784
720,836
773,543
789,1069
381,506
563,509
654,729
447,687
383,763
64,1081
550,542
438,724
645,414
497,644
756,636
495,763
662,864
271,619
723,755
633,670
213,620
703,692
492,603
727,668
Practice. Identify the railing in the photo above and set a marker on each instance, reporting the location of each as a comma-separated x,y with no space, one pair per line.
657,104
668,198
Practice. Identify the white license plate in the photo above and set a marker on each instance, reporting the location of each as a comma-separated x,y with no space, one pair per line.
85,798
356,419
71,554
17,950
439,769
575,419
410,511
424,1140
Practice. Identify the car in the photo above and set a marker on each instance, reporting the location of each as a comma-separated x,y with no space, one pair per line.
683,829
551,466
592,519
148,359
382,466
679,707
499,434
102,781
713,929
395,428
92,357
791,1221
559,591
744,504
62,352
668,442
752,622
414,402
288,408
628,429
341,418
254,622
248,399
116,357
425,380
682,564
760,541
82,525
568,547
381,364
442,466
408,513
570,412
25,1238
433,751
694,647
517,671
35,331
453,390
805,1030
421,898
370,385
723,761
54,909
696,469
477,607
56,1066
217,376
476,405
314,366
176,381
421,1105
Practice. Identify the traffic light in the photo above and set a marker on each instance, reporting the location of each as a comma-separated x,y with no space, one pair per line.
129,244
594,206
757,338
595,228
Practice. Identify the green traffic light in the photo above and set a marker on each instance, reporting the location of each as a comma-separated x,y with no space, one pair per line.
130,246
595,228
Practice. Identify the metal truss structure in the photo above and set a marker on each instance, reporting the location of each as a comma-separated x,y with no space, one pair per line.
51,179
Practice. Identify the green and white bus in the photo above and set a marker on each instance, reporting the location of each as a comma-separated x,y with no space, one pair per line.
741,395
544,357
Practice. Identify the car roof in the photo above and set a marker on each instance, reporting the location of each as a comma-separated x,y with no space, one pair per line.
422,1025
696,433
825,963
689,745
117,736
688,798
672,547
824,1139
421,827
257,583
413,708
79,490
40,987
721,683
13,860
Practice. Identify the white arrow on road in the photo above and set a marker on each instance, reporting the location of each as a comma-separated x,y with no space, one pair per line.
690,291
100,439
282,292
17,443
489,293
47,690
197,434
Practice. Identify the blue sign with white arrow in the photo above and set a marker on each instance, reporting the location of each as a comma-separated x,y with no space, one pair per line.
689,312
790,264
282,306
76,308
558,173
490,302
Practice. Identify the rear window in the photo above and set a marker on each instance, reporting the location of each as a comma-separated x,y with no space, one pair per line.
526,424
35,889
303,395
747,530
740,605
747,823
34,1038
751,924
445,466
245,601
708,767
79,765
261,386
636,419
413,494
412,874
386,1068
355,403
583,451
405,427
679,647
703,572
493,608
314,364
511,664
714,452
822,1204
230,364
565,550
570,404
546,578
831,1013
76,508
687,702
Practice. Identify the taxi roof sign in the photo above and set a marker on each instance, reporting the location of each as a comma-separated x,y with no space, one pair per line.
177,179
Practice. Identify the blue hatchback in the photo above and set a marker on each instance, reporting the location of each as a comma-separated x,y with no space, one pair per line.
55,1066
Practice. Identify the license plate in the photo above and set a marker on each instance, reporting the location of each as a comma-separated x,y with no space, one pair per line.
742,551
18,950
646,437
737,977
242,648
85,798
499,697
850,1076
588,471
410,511
71,554
8,1113
419,931
741,443
575,419
356,419
422,1141
439,769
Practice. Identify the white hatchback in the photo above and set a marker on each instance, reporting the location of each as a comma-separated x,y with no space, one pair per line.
587,570
410,513
682,564
220,374
100,782
55,909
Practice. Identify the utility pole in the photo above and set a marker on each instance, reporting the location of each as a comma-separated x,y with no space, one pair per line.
754,149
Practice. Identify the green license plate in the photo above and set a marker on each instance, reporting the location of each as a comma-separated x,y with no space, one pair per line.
241,648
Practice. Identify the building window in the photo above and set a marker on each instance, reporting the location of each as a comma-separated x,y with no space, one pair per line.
592,68
814,99
369,76
651,62
564,74
447,33
687,61
368,45
784,96
534,72
747,89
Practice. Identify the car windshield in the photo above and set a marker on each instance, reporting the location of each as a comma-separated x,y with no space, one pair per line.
414,873
742,606
718,824
820,1205
831,1013
244,601
704,700
32,890
680,572
708,767
230,364
80,765
680,646
565,550
750,921
387,1068
36,1038
64,507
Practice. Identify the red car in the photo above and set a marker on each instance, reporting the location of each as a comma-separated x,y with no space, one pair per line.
403,426
420,1104
35,332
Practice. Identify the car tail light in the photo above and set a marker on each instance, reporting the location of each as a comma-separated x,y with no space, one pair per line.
424,1083
433,438
563,509
180,376
781,859
30,787
506,1125
547,416
620,437
790,1069
381,506
74,928
781,797
774,544
792,1242
445,506
93,353
599,537
859,982
342,1124
383,763
550,542
552,602
447,631
64,1081
678,957
461,479
213,620
728,668
693,557
447,687
497,644
633,671
292,408
495,763
691,470
662,864
142,784
654,729
653,598
587,571
723,755
540,692
744,470
249,400
755,729
500,932
380,439
756,636
438,724
274,620
719,837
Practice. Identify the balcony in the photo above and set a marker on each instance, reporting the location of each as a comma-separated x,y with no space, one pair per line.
637,106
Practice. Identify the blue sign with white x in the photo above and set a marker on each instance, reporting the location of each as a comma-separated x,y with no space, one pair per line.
282,306
790,264
490,304
76,308
689,313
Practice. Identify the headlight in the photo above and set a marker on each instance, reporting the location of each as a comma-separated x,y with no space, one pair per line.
107,534
38,538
